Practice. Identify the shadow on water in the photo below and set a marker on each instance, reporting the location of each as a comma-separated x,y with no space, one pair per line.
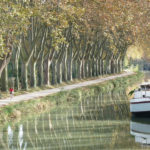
140,129
95,122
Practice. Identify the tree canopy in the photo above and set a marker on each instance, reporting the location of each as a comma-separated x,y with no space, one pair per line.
72,38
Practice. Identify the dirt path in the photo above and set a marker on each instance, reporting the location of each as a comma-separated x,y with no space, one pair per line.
43,93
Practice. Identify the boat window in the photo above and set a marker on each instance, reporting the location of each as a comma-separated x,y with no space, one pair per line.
145,87
148,87
142,87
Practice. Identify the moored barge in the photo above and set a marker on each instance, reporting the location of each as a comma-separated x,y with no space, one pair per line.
140,104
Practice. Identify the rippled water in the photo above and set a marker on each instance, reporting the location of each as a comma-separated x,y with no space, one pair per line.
95,122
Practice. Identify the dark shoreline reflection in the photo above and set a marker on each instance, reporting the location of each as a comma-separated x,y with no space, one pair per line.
140,129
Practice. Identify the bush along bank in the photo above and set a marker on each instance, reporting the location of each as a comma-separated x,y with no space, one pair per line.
118,83
26,109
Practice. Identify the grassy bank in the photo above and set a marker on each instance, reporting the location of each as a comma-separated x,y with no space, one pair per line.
24,110
6,94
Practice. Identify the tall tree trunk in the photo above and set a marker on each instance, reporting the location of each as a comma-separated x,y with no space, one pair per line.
47,71
97,71
4,62
64,71
105,66
119,65
59,72
16,74
16,66
83,69
99,67
112,66
116,66
122,64
93,67
33,75
90,68
65,67
54,72
102,66
80,70
41,74
86,68
70,70
70,63
25,76
4,79
74,69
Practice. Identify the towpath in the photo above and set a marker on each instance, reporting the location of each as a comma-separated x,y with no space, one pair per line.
43,93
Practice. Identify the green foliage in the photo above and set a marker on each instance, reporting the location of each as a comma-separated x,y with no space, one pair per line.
13,21
8,110
131,92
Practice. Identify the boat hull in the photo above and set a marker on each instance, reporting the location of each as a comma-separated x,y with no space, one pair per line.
140,106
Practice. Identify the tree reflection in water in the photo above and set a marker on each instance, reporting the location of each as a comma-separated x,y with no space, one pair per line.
20,138
98,121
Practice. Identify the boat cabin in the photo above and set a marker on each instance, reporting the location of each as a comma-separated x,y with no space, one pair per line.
143,91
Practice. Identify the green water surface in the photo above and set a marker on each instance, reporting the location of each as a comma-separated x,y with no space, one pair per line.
100,121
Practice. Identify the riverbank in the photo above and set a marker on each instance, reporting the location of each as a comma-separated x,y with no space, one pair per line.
6,94
43,93
26,109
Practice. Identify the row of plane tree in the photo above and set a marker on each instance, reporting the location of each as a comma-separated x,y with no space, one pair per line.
44,42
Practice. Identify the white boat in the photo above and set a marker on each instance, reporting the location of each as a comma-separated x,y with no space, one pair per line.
140,128
141,100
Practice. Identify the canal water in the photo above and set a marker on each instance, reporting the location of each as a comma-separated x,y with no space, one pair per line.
94,122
